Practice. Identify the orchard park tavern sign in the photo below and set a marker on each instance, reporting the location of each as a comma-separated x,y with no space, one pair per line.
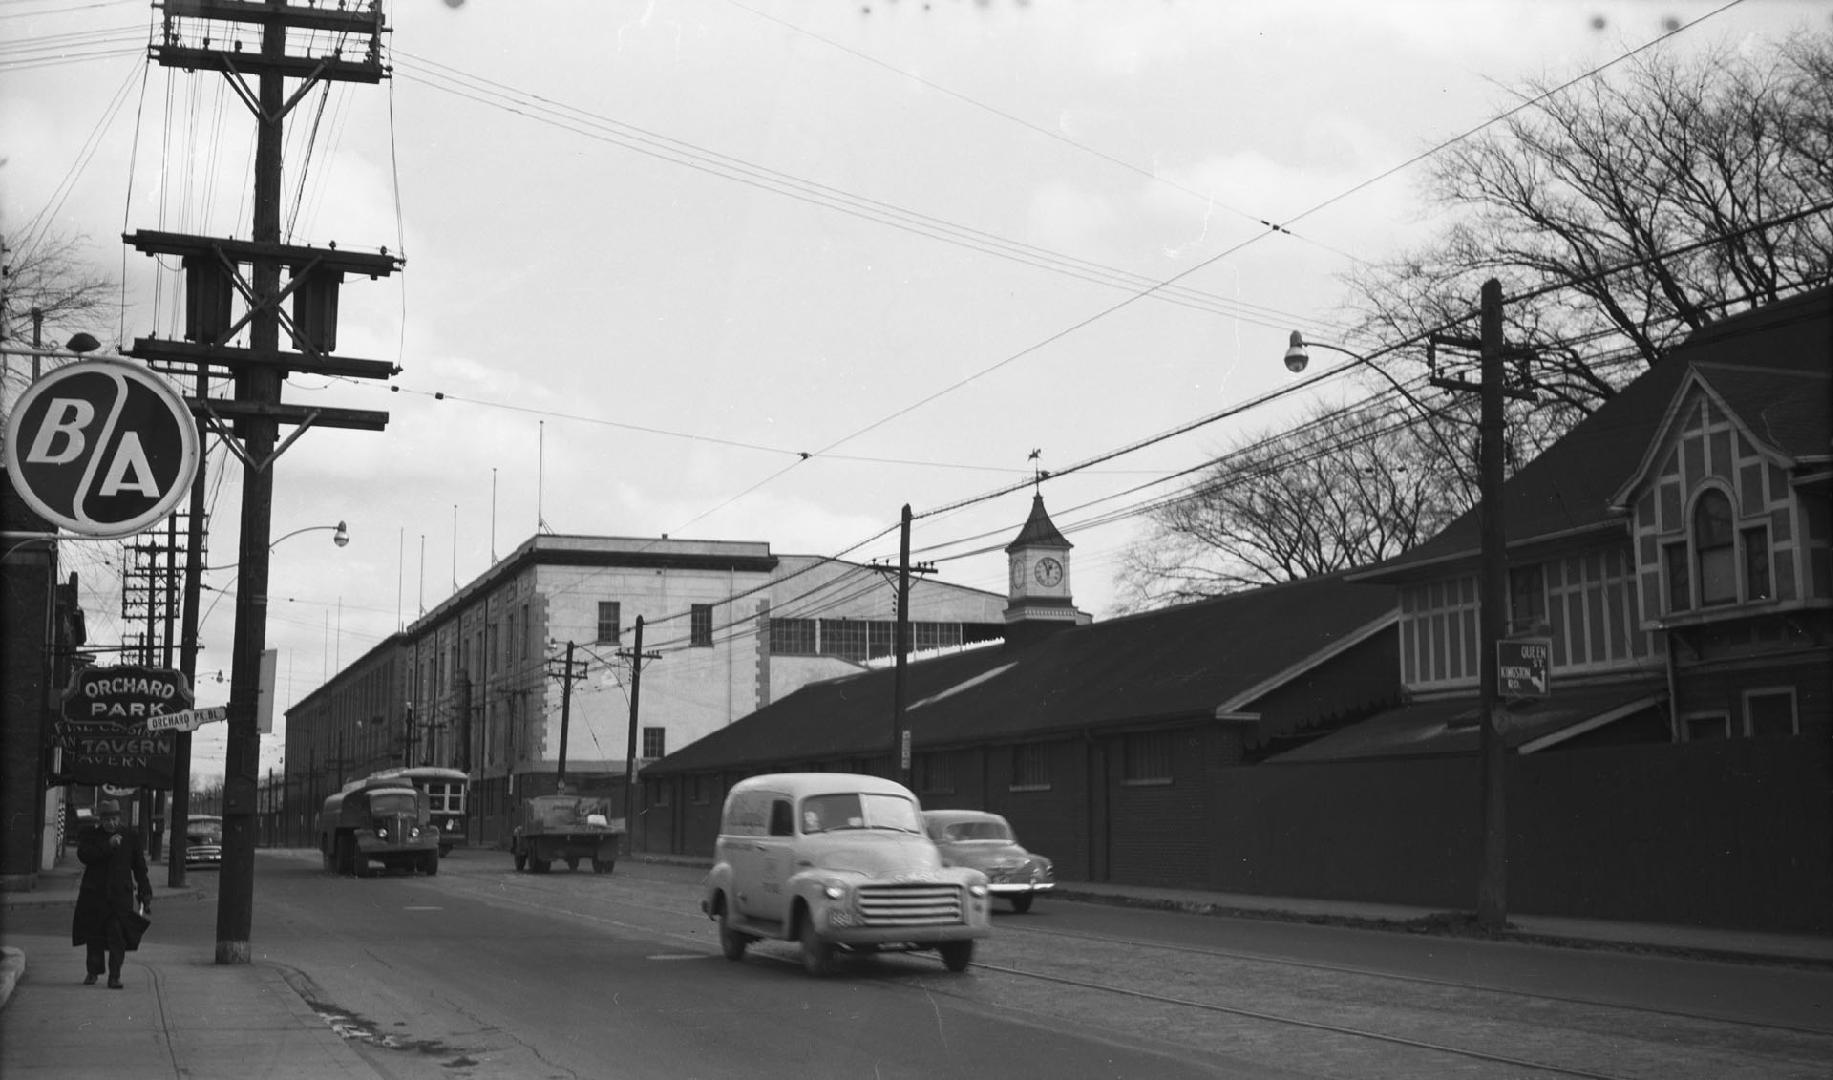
103,448
110,728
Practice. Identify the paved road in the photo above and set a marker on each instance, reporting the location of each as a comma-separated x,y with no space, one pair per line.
482,972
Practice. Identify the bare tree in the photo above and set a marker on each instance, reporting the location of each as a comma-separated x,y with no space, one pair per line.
1708,180
1345,488
49,288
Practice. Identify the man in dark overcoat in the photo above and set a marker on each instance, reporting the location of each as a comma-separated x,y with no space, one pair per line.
113,865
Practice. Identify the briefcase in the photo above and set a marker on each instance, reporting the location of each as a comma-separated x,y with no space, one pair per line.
133,927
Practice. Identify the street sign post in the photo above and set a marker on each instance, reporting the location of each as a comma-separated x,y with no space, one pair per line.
1524,667
103,448
187,719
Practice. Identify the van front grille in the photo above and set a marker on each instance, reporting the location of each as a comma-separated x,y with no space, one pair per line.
910,905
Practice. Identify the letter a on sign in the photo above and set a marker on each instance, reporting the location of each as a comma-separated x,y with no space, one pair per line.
102,448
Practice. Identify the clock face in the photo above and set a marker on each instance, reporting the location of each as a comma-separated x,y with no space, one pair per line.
1049,572
1018,572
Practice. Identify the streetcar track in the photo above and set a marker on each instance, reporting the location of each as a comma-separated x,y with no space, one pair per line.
1427,980
1314,1025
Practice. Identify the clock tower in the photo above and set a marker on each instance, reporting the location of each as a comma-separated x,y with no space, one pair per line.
1038,562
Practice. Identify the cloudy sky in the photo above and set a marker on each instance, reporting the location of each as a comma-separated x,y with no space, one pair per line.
770,269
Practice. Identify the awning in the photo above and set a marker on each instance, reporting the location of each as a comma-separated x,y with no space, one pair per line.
1449,725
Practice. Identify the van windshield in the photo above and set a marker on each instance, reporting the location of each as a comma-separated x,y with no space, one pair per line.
830,813
204,831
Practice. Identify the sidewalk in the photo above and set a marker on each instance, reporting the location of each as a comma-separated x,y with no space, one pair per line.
179,1014
182,1015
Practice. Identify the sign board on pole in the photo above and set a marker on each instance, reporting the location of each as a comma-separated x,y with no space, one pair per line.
103,448
264,704
1524,667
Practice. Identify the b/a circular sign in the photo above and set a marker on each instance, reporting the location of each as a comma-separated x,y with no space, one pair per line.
102,448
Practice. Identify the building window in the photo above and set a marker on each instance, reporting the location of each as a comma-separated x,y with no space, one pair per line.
1147,757
700,625
844,638
1527,597
657,791
792,637
1030,768
1756,563
610,621
933,774
655,742
696,790
528,631
1770,711
1680,581
1706,727
1714,547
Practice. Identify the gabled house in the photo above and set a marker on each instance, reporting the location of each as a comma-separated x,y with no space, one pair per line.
1109,745
1675,549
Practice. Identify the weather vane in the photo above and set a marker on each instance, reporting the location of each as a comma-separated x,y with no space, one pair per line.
1037,472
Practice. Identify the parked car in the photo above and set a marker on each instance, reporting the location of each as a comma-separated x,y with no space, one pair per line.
840,863
987,843
203,840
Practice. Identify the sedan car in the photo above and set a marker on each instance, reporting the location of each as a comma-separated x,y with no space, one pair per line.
203,840
985,842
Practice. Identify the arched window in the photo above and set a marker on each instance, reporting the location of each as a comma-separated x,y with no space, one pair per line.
1715,548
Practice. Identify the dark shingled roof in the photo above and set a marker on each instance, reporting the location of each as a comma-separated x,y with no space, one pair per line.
1177,663
1770,365
1038,530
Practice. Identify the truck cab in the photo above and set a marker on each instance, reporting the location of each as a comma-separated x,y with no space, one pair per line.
377,820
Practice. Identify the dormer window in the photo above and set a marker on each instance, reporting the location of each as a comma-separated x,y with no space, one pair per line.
1715,546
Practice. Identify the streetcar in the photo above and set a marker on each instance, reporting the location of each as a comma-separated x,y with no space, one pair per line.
445,795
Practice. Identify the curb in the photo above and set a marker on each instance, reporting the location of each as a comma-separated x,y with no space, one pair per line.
12,966
1450,925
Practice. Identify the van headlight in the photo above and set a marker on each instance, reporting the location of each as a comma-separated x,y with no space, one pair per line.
976,890
833,891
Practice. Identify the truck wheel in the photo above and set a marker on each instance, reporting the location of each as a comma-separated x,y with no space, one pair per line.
817,955
957,955
731,942
602,866
1022,903
521,861
324,852
429,863
346,855
572,862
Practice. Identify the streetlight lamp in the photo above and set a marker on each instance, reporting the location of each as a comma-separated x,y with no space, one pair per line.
340,535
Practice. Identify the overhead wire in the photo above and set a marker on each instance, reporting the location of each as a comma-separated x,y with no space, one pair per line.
1049,133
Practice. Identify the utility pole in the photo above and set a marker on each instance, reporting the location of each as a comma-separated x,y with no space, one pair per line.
636,656
568,674
309,44
1492,593
900,733
187,653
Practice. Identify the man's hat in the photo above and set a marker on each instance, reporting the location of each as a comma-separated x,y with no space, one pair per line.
107,807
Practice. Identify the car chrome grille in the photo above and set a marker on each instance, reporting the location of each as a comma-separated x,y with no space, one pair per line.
910,905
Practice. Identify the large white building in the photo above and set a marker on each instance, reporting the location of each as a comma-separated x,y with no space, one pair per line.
478,683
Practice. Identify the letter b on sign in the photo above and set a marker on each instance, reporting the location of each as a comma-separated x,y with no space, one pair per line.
101,447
